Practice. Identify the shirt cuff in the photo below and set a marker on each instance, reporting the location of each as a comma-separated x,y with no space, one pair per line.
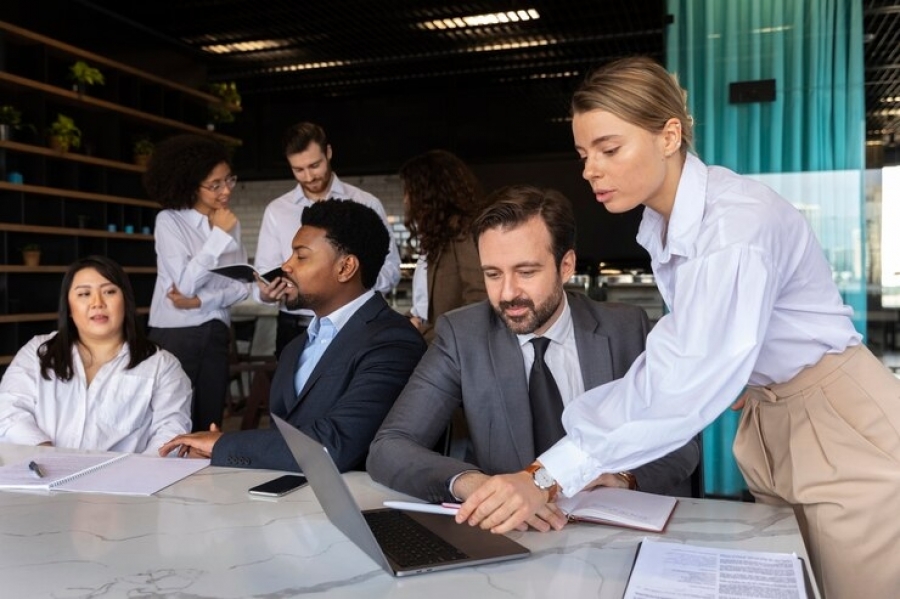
217,242
569,466
452,480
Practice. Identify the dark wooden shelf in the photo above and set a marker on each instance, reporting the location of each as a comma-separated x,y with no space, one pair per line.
65,188
72,232
195,94
87,101
76,195
15,146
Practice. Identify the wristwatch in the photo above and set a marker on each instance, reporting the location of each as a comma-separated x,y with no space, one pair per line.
543,480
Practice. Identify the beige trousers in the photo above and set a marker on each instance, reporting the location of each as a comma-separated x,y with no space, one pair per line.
827,443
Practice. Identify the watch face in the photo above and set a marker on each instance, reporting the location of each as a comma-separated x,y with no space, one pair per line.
543,479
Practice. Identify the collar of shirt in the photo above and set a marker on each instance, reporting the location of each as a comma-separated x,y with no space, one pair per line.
336,190
319,336
685,220
559,331
339,317
561,356
194,218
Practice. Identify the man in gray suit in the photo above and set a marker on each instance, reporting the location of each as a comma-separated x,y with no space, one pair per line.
482,355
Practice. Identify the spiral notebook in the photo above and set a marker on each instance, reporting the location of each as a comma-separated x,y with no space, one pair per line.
116,474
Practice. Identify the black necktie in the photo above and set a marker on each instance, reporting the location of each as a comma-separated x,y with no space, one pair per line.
546,402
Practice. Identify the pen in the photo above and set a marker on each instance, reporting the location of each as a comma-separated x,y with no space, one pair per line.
36,469
429,508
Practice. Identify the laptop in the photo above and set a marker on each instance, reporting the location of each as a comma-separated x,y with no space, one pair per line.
383,534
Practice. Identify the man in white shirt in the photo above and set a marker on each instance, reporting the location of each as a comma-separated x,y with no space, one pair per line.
309,156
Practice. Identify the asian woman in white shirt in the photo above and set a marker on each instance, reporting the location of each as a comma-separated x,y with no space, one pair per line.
190,175
97,382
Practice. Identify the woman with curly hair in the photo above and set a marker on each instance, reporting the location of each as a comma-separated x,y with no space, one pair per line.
442,198
190,175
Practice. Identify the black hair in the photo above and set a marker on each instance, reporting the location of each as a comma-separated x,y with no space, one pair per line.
179,165
352,228
55,354
513,205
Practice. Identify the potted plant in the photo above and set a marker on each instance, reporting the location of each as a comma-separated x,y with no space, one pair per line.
64,134
83,74
142,150
11,120
219,113
31,254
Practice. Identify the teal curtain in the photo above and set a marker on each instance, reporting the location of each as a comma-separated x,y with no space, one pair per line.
809,143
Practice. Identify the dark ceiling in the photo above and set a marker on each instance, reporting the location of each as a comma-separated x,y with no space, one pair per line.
339,48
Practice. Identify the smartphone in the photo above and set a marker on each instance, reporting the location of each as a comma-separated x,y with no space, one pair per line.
279,486
272,275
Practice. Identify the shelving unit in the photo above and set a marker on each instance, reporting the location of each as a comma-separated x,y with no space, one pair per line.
78,203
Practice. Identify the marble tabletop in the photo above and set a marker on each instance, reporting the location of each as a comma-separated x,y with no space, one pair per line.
206,537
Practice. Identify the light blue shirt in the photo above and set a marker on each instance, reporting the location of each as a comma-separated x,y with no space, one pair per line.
320,333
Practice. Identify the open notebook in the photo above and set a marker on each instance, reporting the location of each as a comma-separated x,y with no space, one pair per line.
619,507
117,474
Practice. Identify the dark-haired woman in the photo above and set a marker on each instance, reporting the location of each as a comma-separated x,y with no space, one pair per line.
190,175
97,382
442,197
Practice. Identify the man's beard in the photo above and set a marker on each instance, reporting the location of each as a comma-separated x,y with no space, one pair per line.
302,301
534,318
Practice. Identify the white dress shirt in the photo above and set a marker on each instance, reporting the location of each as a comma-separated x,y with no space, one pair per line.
283,217
420,289
186,248
751,300
561,355
135,410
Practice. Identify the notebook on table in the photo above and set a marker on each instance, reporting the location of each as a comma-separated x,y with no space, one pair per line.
115,474
403,543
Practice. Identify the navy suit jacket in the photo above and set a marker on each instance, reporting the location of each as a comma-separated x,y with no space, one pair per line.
346,397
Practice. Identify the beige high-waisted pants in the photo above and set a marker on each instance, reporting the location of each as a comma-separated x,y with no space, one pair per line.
827,443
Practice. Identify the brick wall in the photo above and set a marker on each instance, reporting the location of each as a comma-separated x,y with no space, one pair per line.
250,199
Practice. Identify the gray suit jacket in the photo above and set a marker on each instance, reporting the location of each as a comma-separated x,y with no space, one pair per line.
475,362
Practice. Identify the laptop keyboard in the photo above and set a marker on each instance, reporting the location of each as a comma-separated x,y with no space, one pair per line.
407,542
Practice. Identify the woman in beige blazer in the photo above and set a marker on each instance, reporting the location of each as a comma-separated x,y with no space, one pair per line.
442,197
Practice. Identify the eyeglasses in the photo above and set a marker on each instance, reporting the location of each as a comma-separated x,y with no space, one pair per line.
229,182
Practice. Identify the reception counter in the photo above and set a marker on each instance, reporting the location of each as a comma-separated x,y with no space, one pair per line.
206,537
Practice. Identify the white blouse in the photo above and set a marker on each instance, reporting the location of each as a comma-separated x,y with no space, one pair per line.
135,410
751,300
186,249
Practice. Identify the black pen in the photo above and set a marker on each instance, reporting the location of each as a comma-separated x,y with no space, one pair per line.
36,469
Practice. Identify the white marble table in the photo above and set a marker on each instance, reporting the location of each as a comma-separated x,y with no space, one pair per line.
206,537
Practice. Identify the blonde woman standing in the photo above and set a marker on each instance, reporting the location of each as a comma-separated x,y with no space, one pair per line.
754,314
